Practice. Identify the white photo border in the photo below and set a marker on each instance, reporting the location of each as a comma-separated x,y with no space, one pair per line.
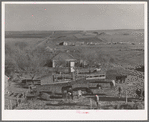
74,114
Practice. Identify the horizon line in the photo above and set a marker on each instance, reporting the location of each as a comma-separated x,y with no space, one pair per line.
76,30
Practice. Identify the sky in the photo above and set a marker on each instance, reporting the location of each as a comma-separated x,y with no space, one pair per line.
44,17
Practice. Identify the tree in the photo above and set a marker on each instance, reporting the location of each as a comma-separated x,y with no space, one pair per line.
59,64
30,63
10,65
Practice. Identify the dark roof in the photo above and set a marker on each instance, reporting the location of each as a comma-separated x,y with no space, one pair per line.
63,56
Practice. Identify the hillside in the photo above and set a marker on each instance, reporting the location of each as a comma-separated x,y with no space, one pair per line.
45,43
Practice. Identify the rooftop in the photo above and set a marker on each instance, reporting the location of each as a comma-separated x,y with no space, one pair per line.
63,56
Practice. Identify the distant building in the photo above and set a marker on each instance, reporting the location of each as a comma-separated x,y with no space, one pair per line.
62,59
71,44
63,43
49,49
79,43
91,43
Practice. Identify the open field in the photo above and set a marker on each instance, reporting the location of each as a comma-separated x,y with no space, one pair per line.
126,53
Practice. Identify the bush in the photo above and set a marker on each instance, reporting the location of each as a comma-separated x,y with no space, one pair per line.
10,65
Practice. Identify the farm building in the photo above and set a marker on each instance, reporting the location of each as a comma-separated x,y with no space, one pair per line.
49,49
63,43
79,43
67,43
63,59
70,43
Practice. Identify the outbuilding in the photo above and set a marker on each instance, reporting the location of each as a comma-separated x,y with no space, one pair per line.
63,59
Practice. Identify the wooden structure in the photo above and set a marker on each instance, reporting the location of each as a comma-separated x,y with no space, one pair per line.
63,59
28,82
58,87
14,99
55,88
95,76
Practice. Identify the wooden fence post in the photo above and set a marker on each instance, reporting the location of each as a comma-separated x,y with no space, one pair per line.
10,104
126,96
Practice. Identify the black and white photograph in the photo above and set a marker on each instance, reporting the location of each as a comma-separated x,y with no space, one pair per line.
84,58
